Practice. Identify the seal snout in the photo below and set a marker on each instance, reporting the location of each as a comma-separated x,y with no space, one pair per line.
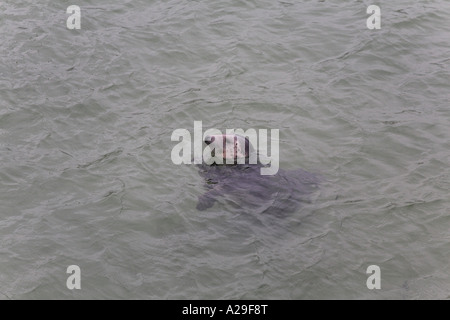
209,140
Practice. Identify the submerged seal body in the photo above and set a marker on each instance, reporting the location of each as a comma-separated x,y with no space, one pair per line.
243,186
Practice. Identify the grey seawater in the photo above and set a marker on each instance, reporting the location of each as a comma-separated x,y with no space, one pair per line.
86,177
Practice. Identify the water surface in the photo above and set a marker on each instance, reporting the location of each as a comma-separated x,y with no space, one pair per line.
86,178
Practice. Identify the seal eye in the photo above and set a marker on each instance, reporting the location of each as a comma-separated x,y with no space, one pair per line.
209,139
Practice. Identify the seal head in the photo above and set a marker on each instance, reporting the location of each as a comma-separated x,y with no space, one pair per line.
230,149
